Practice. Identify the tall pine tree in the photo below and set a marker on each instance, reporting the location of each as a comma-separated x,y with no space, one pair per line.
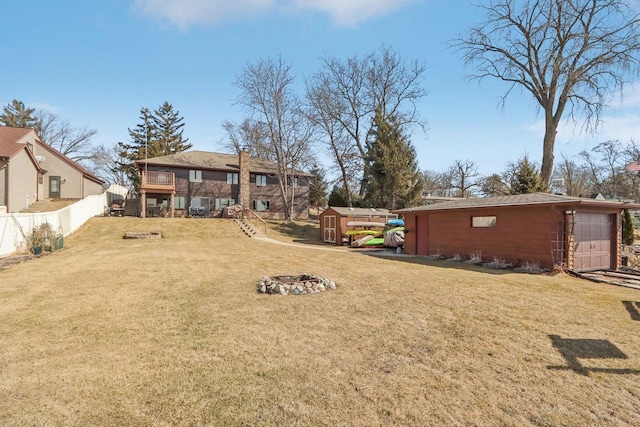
393,179
168,126
318,188
159,133
16,114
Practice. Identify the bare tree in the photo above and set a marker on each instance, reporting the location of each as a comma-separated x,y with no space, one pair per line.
352,89
266,92
574,178
569,55
73,142
343,151
464,176
250,136
104,164
437,184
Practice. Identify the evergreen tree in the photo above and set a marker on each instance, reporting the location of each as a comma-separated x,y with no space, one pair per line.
168,125
525,177
628,231
392,177
318,188
159,133
338,196
16,114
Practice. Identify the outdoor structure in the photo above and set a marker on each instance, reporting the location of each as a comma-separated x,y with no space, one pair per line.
202,183
547,229
334,220
31,170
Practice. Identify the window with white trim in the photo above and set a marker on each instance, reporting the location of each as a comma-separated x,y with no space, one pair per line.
232,177
261,180
195,176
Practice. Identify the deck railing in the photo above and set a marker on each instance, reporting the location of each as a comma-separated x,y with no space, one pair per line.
251,215
154,180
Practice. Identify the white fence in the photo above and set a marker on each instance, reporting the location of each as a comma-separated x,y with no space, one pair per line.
14,228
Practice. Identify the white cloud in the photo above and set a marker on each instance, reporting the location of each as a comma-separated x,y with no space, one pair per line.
187,13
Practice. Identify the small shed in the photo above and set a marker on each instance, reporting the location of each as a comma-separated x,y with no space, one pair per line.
548,229
334,220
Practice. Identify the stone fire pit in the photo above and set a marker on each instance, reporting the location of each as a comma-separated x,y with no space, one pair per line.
296,285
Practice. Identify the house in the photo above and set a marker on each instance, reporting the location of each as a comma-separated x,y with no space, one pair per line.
334,220
547,229
203,183
31,170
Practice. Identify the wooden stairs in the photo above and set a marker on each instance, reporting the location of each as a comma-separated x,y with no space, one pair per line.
248,228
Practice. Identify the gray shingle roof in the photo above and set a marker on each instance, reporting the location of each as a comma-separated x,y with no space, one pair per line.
517,200
361,211
213,161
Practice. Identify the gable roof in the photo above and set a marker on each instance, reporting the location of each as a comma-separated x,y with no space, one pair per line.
519,200
10,145
211,161
85,172
9,140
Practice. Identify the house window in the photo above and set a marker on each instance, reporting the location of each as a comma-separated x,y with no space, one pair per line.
232,177
195,176
179,202
483,221
151,202
261,180
260,205
223,203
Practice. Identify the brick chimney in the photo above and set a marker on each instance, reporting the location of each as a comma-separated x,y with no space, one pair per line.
244,180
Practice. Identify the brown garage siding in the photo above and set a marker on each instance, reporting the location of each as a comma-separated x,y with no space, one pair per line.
520,234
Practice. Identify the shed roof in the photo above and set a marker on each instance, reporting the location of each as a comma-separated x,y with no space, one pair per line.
212,161
360,211
520,200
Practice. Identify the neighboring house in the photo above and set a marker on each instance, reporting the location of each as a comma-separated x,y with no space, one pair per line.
31,170
204,183
334,220
547,229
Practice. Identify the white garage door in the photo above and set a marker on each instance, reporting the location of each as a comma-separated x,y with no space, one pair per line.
593,236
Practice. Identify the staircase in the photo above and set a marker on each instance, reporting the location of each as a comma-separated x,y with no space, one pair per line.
248,228
39,206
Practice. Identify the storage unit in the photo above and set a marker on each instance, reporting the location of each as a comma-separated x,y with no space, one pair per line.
334,220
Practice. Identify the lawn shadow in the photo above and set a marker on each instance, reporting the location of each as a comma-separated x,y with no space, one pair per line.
573,349
416,259
633,307
306,234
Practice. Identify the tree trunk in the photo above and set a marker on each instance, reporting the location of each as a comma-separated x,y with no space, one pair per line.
549,141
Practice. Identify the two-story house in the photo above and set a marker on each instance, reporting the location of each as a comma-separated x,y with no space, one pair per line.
31,170
204,183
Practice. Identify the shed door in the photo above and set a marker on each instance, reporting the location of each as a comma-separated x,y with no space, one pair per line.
593,236
329,229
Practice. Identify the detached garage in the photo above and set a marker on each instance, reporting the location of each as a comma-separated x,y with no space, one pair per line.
334,220
552,230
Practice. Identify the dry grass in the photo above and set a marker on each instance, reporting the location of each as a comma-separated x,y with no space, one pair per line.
172,332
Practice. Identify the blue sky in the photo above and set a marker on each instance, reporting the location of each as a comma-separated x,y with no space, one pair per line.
96,63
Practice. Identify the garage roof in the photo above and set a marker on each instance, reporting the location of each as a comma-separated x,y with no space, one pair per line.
520,200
